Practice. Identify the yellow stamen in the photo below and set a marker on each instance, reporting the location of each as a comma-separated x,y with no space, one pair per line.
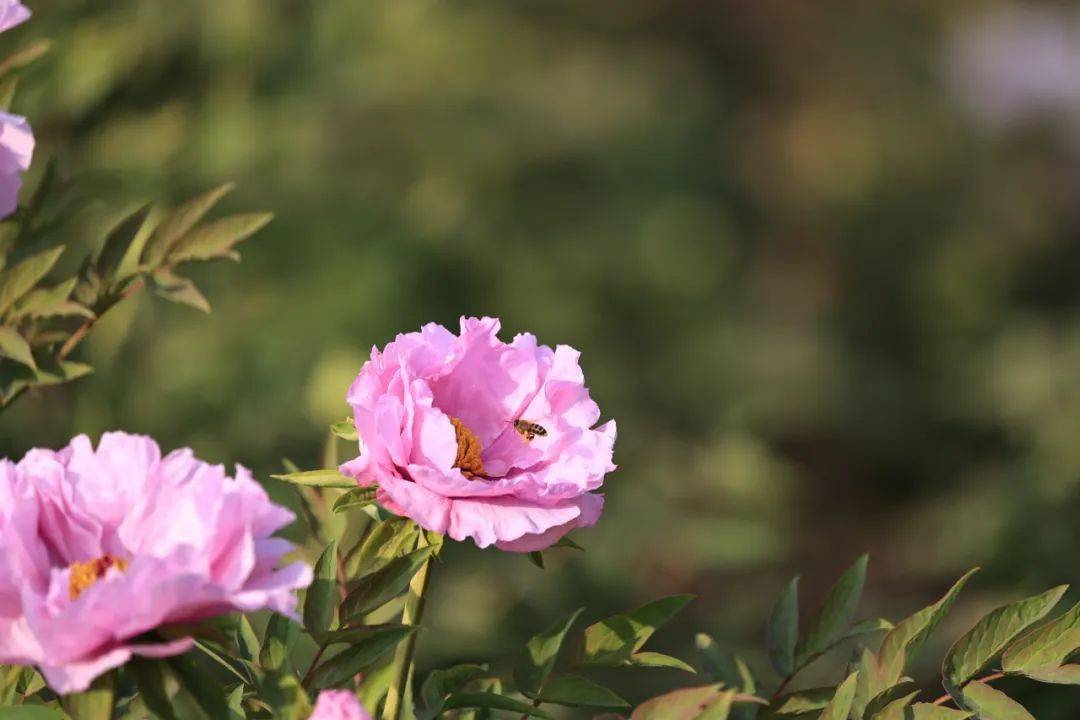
85,574
468,450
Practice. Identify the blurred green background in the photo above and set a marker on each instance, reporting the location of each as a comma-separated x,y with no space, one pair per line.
832,303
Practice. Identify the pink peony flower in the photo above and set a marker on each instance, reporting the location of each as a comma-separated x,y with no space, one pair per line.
16,140
338,705
473,437
12,13
100,547
16,151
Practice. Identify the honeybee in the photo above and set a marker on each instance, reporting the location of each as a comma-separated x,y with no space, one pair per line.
529,429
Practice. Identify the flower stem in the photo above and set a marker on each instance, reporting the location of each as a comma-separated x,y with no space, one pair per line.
403,660
781,687
988,679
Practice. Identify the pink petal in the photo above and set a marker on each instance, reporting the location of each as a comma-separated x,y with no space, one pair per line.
338,705
405,497
492,520
77,676
12,13
591,507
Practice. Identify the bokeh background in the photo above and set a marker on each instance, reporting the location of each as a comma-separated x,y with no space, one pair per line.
821,259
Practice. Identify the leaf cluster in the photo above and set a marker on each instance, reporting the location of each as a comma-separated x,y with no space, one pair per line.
1013,640
46,311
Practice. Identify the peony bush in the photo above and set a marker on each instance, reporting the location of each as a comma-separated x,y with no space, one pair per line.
141,584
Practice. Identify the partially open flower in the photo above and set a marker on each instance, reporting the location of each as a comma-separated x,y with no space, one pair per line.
12,13
474,437
16,140
100,547
16,151
338,705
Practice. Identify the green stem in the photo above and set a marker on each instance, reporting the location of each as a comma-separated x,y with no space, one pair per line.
782,686
403,660
311,667
536,704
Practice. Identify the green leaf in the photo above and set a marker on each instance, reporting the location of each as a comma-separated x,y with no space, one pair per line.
1041,653
870,684
355,498
345,429
282,691
358,656
492,701
889,697
536,660
537,558
216,239
179,222
281,635
376,683
612,641
724,666
992,634
157,686
323,594
358,634
236,704
57,374
20,279
828,625
782,631
566,542
24,56
389,540
14,346
576,691
840,704
895,709
380,587
10,679
241,669
991,704
719,709
440,684
868,627
730,670
124,240
806,701
926,711
901,644
484,685
95,703
181,290
708,702
29,712
327,478
51,302
203,687
658,660
243,637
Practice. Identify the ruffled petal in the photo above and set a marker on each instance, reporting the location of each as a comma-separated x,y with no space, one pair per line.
591,506
491,520
76,676
404,497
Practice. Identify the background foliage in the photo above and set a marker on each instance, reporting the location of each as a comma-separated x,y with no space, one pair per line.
830,310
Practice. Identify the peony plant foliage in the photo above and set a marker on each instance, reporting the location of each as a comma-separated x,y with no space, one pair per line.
138,584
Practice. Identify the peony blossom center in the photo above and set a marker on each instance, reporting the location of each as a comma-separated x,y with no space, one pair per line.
85,574
468,450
